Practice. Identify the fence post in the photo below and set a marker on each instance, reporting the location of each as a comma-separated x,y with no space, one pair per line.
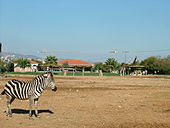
100,73
65,72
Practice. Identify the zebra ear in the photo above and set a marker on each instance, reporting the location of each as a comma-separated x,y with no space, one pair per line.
48,74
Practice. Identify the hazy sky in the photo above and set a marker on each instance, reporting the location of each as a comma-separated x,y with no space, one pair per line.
86,29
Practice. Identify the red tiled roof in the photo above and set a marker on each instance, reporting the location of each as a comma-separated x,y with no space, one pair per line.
75,63
33,62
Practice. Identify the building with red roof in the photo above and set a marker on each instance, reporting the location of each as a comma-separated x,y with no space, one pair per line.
74,63
33,67
60,65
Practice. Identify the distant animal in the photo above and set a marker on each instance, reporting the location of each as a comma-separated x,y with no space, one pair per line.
15,89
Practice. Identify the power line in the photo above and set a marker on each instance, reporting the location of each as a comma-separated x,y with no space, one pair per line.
162,50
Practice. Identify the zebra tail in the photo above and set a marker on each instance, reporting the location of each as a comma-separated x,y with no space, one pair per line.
3,92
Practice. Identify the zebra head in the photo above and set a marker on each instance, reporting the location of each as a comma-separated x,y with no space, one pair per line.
49,80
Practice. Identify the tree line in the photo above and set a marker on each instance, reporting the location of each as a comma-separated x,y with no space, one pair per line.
154,65
157,65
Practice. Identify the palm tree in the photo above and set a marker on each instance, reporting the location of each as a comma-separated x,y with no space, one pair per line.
112,64
100,67
50,60
23,63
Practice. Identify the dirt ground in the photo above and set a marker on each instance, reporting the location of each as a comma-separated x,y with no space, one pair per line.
95,102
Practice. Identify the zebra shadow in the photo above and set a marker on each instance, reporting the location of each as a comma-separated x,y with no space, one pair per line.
168,111
23,111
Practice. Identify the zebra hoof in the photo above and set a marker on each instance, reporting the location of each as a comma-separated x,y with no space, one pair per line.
9,115
37,115
30,117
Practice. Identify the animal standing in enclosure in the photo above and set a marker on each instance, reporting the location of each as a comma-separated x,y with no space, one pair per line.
15,89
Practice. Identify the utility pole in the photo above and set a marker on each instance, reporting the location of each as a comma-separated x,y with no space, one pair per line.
124,52
0,49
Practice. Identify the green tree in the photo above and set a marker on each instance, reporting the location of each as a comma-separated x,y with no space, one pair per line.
10,66
112,64
23,63
164,66
157,65
50,60
101,66
2,66
98,66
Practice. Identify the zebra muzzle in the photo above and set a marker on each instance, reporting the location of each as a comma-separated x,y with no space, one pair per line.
54,89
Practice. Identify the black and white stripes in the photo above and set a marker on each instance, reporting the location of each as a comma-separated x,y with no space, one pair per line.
15,89
18,89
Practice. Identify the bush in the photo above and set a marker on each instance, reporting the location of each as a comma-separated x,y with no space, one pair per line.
157,65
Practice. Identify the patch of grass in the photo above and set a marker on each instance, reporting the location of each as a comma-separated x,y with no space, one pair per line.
68,73
24,73
110,74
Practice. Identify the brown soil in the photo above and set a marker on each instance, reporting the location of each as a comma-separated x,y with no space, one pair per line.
95,102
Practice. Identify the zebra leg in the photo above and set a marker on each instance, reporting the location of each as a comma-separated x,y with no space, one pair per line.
36,107
9,101
30,106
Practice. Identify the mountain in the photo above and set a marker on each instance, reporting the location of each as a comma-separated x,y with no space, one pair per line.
9,56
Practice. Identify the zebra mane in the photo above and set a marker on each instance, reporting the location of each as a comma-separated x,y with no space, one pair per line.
43,75
38,77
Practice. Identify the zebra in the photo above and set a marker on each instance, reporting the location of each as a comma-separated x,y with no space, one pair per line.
15,89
